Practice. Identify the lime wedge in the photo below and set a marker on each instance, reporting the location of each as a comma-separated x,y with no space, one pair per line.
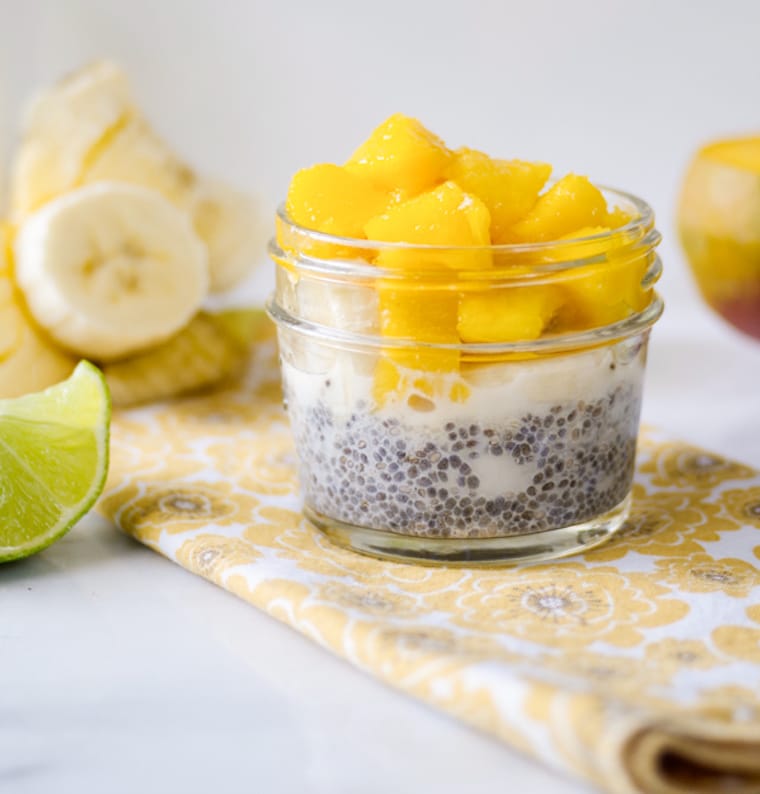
53,460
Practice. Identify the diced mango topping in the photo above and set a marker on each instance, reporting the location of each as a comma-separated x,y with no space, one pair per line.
440,211
509,188
570,204
414,313
331,199
444,216
603,293
507,315
617,217
401,154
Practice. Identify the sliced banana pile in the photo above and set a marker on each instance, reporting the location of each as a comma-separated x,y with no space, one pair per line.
115,244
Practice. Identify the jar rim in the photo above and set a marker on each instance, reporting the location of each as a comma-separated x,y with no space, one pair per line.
639,225
572,340
631,240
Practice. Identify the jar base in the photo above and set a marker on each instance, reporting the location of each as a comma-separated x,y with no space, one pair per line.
473,552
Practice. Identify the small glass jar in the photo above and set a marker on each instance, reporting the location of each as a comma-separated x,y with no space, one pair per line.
415,445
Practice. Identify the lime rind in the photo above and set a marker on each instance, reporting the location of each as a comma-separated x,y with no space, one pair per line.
78,406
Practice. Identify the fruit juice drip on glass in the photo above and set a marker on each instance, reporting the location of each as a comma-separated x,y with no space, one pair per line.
443,363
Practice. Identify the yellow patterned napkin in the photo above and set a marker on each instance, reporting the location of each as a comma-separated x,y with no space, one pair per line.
635,666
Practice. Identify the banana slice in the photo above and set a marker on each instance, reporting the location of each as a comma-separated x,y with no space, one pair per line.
10,321
87,129
110,269
230,224
136,154
28,361
347,308
225,219
212,348
63,128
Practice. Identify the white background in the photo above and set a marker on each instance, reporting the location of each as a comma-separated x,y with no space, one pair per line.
119,670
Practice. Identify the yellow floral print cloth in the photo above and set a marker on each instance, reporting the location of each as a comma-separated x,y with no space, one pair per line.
635,666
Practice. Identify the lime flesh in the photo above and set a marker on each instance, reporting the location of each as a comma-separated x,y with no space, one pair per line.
53,460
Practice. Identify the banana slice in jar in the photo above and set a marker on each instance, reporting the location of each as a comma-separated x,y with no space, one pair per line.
110,269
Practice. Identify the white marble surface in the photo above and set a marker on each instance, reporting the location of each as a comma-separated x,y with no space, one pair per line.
120,672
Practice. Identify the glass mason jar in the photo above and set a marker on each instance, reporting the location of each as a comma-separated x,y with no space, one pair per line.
466,405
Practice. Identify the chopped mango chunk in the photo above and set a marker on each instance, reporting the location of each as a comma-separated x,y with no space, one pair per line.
330,199
387,380
606,293
617,217
426,315
444,216
507,315
602,293
415,313
509,188
401,154
570,204
441,222
586,247
420,391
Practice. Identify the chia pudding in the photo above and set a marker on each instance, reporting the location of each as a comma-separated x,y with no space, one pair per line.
538,444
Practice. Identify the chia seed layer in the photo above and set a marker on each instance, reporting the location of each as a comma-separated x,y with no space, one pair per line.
561,464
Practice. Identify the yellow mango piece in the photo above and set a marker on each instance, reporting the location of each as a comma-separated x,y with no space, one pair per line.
327,198
444,216
387,380
586,246
509,188
395,382
507,315
459,392
567,206
602,293
618,217
401,154
607,293
422,314
330,199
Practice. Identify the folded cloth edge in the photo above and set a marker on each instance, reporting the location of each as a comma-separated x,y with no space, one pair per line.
670,757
